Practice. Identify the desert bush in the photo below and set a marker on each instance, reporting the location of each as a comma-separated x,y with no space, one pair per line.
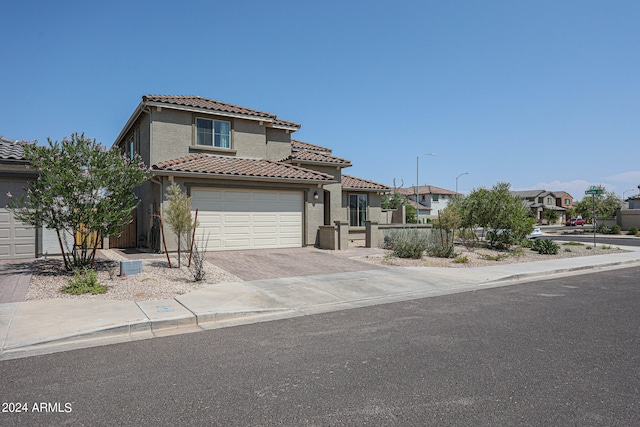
440,244
603,229
468,237
493,257
526,243
633,230
85,281
615,229
407,243
545,247
461,260
196,268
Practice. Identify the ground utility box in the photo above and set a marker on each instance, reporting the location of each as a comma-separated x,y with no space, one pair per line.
130,267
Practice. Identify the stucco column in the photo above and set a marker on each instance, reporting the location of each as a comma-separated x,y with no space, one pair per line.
343,234
372,234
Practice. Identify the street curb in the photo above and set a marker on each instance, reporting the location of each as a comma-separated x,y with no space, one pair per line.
559,271
204,320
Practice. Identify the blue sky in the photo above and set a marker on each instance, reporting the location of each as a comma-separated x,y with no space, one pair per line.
540,94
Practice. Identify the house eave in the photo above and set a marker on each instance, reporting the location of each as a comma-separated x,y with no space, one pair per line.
207,175
269,121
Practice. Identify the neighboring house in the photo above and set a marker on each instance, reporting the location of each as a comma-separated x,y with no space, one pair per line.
630,217
540,201
253,186
431,200
17,240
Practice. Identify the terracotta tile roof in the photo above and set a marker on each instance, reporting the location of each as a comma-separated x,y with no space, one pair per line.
363,184
307,156
236,166
301,145
425,189
10,149
213,105
422,207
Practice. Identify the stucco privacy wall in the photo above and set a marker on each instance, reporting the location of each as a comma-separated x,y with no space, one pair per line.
278,144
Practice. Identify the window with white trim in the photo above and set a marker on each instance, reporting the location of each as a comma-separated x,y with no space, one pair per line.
213,133
357,210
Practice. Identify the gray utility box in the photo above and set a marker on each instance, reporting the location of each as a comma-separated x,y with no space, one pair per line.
130,267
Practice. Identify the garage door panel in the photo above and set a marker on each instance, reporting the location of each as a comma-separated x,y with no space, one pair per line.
25,233
246,219
17,240
24,250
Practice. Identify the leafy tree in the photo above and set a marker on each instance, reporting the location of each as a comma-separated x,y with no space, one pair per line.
178,213
496,209
606,205
551,216
410,212
83,190
393,201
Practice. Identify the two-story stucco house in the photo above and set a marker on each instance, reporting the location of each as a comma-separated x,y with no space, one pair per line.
252,184
540,201
431,200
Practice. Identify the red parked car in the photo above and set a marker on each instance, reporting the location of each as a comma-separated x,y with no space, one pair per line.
575,221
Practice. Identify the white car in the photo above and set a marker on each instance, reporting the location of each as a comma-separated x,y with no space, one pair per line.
534,234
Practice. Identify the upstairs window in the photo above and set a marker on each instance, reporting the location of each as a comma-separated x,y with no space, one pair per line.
213,133
435,198
567,202
549,201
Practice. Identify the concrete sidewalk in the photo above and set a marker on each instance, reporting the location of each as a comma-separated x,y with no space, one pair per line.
46,326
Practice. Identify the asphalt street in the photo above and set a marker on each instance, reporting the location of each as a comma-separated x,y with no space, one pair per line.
557,352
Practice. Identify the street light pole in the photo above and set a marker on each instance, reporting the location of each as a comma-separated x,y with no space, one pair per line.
418,182
463,173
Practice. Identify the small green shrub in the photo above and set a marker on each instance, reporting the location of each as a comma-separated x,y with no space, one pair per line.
468,237
526,243
606,246
615,229
440,245
407,243
638,234
85,281
490,257
633,230
517,252
545,247
461,260
573,244
568,250
603,229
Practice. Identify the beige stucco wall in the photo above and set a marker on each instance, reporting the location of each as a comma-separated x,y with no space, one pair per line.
278,144
173,136
172,133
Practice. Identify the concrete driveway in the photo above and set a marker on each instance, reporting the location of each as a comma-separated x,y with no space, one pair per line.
15,276
260,264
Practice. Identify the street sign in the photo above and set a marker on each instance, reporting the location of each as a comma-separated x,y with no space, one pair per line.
594,191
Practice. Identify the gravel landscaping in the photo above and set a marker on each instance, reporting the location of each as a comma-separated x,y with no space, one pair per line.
157,281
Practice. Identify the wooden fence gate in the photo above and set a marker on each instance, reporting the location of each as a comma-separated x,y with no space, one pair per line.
128,235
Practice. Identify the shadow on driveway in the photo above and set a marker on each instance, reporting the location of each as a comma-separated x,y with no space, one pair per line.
15,276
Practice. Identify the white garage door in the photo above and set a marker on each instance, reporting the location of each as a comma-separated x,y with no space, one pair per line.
17,240
247,219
